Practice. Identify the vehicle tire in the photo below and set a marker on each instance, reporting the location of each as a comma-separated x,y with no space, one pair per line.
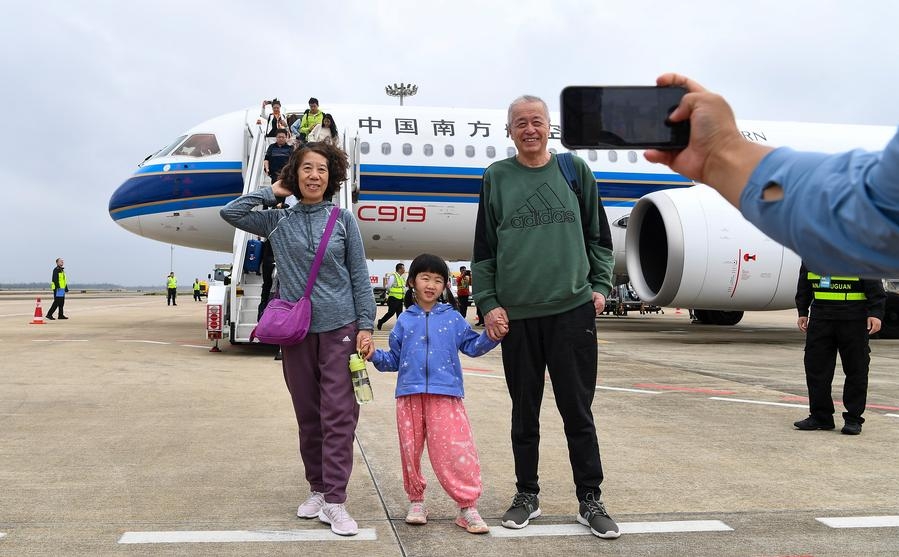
717,317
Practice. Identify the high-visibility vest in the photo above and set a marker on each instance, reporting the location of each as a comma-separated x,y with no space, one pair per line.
173,282
61,277
398,290
196,286
841,289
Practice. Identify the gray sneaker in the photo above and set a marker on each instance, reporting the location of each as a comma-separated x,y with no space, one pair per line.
593,513
525,506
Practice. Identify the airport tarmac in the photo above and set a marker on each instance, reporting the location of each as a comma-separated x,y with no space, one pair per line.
121,434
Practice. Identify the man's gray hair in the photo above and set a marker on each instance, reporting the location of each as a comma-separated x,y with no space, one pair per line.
523,100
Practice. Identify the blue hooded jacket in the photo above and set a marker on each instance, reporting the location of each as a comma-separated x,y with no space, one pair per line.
424,348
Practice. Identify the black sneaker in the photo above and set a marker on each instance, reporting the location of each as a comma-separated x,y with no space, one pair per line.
811,424
51,318
593,513
525,506
851,428
63,317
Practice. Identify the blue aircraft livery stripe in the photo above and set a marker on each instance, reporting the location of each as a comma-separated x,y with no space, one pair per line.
140,190
218,166
185,204
455,171
214,184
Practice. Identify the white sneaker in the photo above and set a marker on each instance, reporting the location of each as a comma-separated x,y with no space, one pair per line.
340,520
417,514
311,506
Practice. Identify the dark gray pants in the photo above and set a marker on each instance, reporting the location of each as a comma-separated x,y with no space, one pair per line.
318,378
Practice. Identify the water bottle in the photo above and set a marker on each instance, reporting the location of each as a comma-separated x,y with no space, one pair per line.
359,375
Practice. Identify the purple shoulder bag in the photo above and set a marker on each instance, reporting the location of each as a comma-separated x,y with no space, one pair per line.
286,322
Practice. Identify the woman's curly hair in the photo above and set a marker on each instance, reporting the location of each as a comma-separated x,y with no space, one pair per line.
337,167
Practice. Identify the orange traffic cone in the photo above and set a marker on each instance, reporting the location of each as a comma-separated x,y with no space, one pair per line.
38,314
677,310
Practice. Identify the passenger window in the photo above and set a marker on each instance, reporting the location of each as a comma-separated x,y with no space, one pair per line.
385,148
632,156
469,151
591,154
491,151
364,148
200,145
407,148
428,150
510,152
449,150
613,156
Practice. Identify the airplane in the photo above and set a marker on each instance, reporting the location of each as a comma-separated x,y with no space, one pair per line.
414,187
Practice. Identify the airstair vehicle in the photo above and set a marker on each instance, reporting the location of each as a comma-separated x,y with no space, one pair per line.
234,294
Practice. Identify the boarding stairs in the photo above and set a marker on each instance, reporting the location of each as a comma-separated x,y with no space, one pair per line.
246,287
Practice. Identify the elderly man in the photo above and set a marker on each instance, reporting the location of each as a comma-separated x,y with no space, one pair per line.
546,319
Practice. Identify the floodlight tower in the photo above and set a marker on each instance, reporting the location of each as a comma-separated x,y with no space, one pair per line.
401,90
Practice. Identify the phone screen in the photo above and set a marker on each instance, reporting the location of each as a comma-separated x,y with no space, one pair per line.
622,117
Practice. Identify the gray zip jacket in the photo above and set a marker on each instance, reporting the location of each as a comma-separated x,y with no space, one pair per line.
342,292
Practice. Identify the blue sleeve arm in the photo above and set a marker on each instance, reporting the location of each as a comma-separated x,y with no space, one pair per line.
389,360
826,198
474,344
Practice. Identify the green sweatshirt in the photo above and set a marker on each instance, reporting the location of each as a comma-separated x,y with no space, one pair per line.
529,253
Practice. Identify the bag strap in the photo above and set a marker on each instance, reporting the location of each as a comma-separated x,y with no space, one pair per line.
320,252
566,165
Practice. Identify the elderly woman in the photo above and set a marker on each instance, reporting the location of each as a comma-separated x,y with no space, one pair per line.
343,311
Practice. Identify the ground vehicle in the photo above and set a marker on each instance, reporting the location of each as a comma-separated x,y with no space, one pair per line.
623,299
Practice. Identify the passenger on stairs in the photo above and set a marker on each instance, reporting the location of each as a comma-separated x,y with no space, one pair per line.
326,131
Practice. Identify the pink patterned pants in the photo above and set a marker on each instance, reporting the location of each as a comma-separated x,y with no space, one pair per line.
442,422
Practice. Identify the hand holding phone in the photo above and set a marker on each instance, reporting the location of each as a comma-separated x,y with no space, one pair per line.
596,117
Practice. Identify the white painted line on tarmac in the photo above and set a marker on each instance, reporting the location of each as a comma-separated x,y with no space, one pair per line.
860,521
535,530
145,341
892,415
491,375
759,402
2,535
642,391
59,340
196,346
237,536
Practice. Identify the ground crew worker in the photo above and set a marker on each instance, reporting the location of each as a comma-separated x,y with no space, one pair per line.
171,289
59,286
396,289
197,296
844,312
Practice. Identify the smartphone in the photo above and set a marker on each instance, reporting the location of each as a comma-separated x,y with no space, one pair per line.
622,118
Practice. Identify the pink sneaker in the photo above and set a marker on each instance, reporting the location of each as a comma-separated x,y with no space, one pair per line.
311,506
340,520
417,514
471,520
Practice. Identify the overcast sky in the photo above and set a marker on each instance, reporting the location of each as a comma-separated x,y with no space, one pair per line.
94,87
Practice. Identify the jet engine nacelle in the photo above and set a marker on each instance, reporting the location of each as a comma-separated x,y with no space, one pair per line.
690,248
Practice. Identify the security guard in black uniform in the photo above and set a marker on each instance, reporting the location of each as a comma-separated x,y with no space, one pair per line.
844,312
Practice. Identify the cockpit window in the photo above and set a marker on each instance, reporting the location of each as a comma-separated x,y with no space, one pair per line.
199,145
168,148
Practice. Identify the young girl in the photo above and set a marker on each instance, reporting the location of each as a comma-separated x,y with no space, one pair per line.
424,347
